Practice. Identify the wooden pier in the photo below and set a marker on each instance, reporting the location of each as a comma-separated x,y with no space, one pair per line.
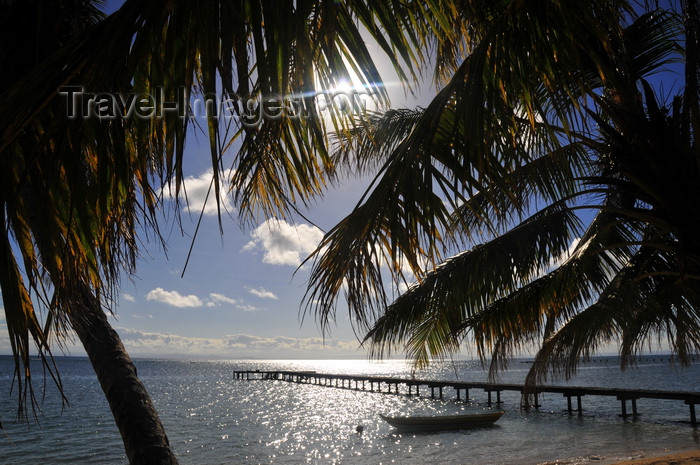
409,385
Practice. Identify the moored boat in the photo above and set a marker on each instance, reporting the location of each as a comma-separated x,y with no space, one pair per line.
442,422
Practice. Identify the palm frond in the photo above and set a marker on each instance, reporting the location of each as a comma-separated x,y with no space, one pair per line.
460,287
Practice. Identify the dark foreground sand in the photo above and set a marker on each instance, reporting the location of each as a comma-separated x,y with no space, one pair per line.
685,458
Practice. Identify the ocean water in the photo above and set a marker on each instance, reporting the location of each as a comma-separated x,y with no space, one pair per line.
212,418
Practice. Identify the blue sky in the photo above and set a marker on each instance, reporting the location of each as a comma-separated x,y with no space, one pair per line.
238,297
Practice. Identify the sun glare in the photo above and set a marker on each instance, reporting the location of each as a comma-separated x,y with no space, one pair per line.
343,87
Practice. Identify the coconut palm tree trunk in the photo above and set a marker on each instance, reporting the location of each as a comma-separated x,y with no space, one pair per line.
142,432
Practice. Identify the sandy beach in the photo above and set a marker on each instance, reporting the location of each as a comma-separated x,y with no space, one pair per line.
684,458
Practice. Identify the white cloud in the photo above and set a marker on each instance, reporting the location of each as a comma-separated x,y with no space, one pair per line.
403,287
285,344
284,243
174,298
128,297
263,293
248,308
559,260
233,346
218,299
194,194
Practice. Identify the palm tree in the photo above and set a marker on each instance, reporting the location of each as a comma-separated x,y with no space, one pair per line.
562,191
80,180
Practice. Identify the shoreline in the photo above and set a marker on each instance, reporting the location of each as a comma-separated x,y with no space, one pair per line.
682,458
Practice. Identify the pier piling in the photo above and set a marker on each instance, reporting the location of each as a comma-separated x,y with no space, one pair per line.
568,396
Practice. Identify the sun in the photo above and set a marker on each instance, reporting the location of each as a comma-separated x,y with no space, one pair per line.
343,87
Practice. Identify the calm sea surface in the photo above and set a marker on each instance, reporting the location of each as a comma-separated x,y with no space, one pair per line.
213,419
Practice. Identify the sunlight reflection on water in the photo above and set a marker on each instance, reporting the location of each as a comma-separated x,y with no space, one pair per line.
213,419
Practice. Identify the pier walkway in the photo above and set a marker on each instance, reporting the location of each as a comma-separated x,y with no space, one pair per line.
409,385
